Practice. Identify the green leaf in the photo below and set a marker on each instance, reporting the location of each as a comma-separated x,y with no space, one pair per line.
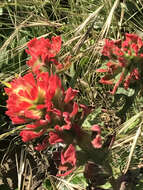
47,184
92,118
79,179
106,186
83,61
129,92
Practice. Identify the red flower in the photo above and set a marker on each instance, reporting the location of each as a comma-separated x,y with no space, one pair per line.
127,58
29,135
29,97
43,51
70,94
106,80
41,102
97,141
135,39
96,128
75,110
134,75
68,161
69,156
108,48
54,138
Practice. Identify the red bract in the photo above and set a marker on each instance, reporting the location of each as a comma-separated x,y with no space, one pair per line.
133,38
70,94
96,142
75,110
108,48
54,138
29,135
69,156
125,64
68,161
43,51
134,75
106,80
96,128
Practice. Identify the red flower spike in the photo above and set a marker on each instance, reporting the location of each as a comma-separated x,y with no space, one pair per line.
125,55
42,51
37,101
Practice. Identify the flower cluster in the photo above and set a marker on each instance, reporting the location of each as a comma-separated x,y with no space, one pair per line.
43,52
125,65
39,101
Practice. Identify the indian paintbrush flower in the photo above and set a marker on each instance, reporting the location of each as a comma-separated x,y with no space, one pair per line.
126,59
43,52
45,108
39,101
